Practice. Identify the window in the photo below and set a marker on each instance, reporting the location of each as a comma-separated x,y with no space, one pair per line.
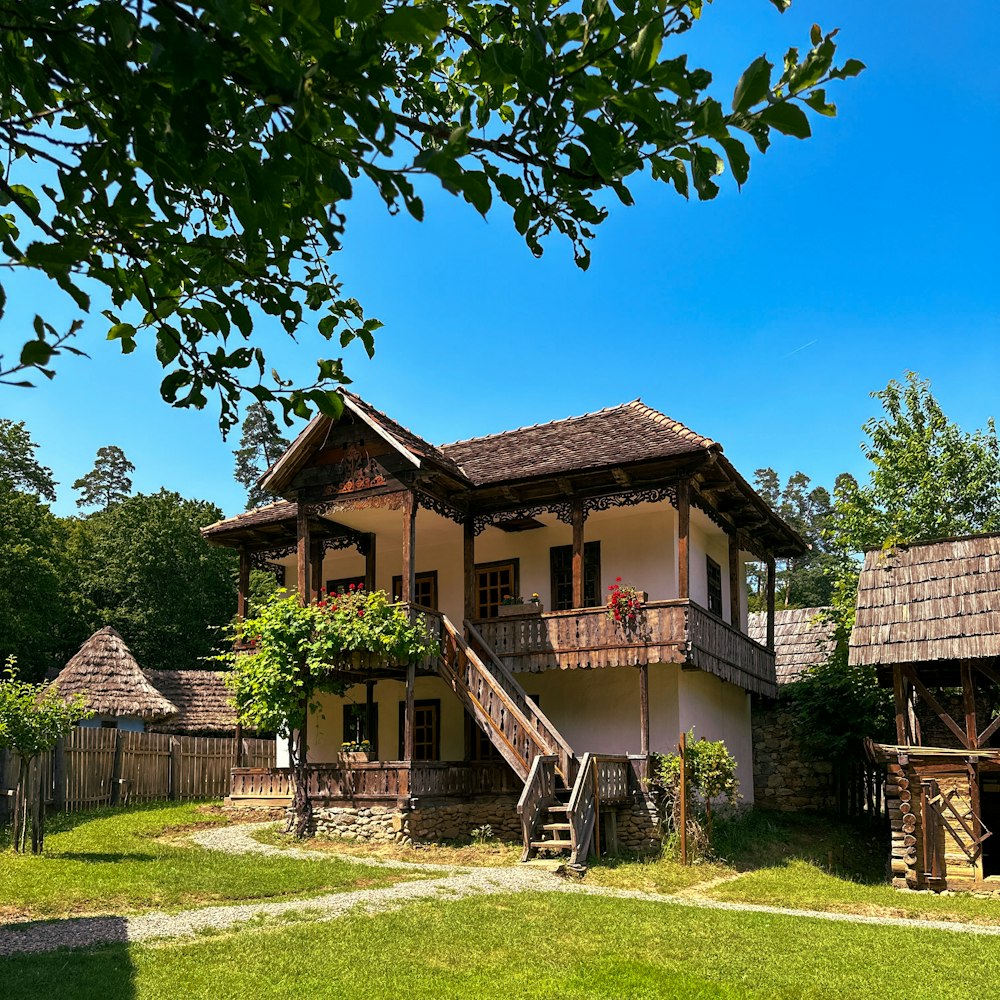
714,574
426,729
425,589
344,584
561,570
357,728
109,723
494,582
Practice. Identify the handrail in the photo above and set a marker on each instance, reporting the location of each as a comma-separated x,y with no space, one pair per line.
539,789
580,811
530,708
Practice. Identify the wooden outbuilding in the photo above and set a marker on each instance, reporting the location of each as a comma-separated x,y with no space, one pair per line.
928,619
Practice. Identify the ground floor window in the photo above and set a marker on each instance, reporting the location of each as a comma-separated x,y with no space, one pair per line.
426,729
359,727
425,589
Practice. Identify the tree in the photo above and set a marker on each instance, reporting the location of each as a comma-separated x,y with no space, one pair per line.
261,445
804,581
142,566
37,619
928,477
192,160
33,718
19,468
108,481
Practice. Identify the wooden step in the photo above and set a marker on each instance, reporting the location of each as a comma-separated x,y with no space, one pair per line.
556,826
552,845
559,808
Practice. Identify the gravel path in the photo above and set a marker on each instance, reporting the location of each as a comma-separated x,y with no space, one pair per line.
452,883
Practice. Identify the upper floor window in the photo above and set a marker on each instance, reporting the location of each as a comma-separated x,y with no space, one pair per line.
714,575
425,589
561,569
494,582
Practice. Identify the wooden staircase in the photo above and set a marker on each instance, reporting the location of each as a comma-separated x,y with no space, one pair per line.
556,834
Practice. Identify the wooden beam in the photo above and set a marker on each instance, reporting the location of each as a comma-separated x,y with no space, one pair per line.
899,698
243,589
935,706
644,710
683,538
409,543
469,567
578,519
316,570
370,552
969,704
370,733
303,554
622,478
409,718
565,486
734,581
771,579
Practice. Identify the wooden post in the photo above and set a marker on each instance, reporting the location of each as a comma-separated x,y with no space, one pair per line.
578,519
644,717
58,775
683,533
469,567
116,770
174,768
597,809
238,748
243,591
969,703
303,553
316,570
899,697
734,580
771,580
972,734
370,584
370,733
409,543
682,748
409,720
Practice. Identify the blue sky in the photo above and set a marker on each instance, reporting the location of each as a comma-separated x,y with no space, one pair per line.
762,319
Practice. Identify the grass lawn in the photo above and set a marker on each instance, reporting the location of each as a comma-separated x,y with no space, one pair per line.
121,861
542,945
488,854
801,861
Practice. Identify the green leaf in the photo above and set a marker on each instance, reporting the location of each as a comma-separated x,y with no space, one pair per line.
646,47
754,84
414,25
787,118
739,159
477,190
36,352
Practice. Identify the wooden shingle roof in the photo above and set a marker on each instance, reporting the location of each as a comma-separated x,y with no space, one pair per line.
619,435
937,600
803,638
204,703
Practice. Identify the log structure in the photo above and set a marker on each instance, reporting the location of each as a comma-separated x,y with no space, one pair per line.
928,620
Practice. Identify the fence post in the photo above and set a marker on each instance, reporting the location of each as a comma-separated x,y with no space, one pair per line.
174,770
682,747
116,770
59,775
5,799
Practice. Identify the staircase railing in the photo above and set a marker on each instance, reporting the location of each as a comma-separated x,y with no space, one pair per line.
539,792
582,811
512,731
510,684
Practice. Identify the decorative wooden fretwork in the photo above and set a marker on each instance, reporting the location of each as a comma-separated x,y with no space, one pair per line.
440,506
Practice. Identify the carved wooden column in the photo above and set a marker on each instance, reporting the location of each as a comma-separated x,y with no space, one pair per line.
734,580
644,716
316,570
370,584
409,718
899,698
243,589
469,567
578,519
683,539
771,579
303,553
370,714
409,544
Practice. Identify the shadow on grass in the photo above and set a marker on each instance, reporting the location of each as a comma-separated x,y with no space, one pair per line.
103,972
100,858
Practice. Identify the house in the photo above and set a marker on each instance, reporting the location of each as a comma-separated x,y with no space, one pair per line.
524,701
124,696
928,620
784,777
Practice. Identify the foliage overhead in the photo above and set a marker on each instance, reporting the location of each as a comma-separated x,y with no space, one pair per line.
190,161
261,445
108,481
928,477
142,567
19,468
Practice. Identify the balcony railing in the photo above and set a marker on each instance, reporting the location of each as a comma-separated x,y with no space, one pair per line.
673,632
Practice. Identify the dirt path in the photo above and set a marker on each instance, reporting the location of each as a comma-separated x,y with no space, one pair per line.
453,882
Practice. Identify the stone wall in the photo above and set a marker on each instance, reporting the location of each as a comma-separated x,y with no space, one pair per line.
783,777
639,826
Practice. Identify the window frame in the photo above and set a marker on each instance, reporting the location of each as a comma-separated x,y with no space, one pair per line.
713,569
514,563
431,575
434,703
362,710
592,547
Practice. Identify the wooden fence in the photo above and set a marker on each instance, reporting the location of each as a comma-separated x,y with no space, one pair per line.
100,767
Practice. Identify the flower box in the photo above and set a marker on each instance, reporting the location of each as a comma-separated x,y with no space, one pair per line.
512,610
356,756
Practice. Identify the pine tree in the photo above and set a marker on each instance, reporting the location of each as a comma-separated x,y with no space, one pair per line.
18,466
261,445
108,481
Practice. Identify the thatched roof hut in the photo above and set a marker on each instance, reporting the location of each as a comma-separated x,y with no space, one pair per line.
930,601
803,638
107,674
204,703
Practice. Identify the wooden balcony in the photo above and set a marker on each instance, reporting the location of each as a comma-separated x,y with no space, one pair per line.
381,782
673,632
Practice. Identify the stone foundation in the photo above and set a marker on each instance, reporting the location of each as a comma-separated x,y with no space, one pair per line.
639,826
783,777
